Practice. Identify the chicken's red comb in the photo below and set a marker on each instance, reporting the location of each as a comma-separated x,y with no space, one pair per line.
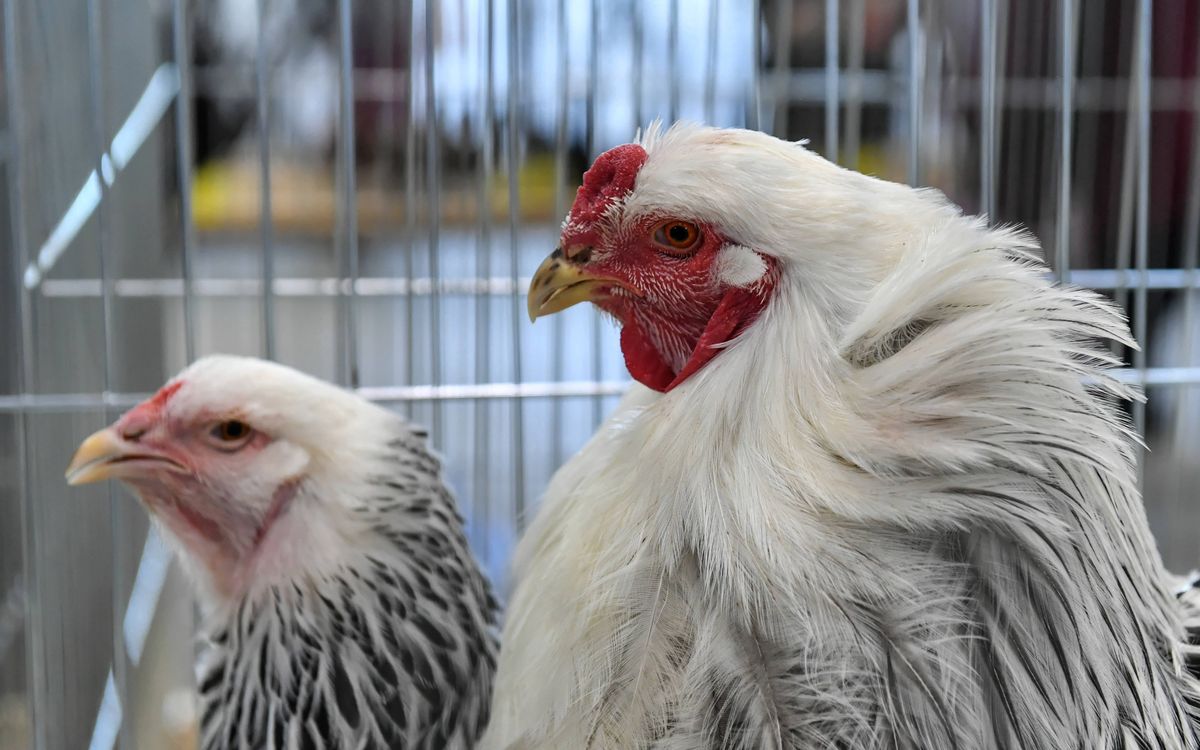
148,410
610,177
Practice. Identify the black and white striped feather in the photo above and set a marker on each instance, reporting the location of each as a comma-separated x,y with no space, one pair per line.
393,646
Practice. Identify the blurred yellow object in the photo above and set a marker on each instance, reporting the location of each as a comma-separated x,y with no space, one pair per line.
14,723
225,197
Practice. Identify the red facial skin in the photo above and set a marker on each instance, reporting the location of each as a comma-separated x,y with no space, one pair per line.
672,306
192,483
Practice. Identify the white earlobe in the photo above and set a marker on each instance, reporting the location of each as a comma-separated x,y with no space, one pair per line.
738,265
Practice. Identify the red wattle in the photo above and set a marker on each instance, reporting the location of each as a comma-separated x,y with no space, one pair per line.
737,310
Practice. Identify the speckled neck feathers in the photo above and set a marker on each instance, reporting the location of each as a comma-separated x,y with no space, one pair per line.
392,648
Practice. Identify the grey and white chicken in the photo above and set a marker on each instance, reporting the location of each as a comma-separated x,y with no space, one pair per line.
342,607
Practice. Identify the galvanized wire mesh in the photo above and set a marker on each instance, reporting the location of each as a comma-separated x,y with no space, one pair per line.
361,189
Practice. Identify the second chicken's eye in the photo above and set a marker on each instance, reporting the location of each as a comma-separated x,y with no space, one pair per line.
230,434
677,236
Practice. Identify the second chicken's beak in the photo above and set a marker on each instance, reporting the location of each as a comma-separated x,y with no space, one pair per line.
558,283
105,455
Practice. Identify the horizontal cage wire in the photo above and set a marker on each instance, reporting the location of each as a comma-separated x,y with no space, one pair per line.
363,189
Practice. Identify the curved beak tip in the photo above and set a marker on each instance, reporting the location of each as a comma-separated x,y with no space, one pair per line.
93,459
558,284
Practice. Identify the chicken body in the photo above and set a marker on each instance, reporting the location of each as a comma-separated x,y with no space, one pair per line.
893,505
342,607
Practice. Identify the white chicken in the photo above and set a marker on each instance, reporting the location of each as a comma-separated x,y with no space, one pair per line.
873,490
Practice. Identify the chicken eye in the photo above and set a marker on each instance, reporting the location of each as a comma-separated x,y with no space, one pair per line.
230,434
677,236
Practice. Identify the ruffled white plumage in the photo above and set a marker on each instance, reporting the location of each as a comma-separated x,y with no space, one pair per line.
900,510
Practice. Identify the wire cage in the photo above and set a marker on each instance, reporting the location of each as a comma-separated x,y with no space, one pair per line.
362,188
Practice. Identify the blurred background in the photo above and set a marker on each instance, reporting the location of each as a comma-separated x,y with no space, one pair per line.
362,188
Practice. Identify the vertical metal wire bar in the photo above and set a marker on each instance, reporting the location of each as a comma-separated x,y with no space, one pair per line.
433,196
384,45
1178,447
639,50
832,73
410,208
1023,155
347,196
987,112
593,76
915,86
855,52
1092,131
35,634
266,229
593,96
560,208
755,118
1066,122
673,58
781,95
1125,213
710,80
1143,201
514,229
483,301
104,167
1191,249
1001,36
184,155
1043,153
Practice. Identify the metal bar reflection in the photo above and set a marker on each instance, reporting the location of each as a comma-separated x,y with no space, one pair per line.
52,403
987,112
754,119
558,356
856,49
1125,212
1062,249
27,374
1143,201
483,263
1191,249
672,58
915,86
593,92
263,102
639,44
347,194
382,286
780,93
184,156
710,80
433,196
154,102
97,102
832,71
410,203
512,157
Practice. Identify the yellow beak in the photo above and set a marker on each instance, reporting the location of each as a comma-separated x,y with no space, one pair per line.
558,283
96,457
106,455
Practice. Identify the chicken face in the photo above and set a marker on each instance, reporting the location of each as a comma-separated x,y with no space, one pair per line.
678,285
215,467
